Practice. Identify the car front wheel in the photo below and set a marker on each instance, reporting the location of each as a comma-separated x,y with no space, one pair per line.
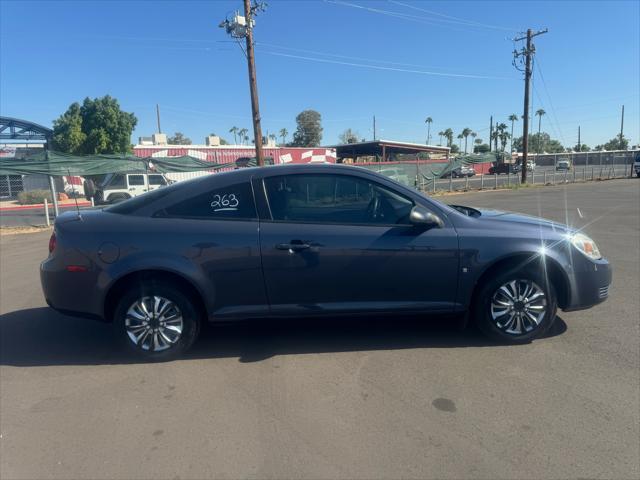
156,321
515,307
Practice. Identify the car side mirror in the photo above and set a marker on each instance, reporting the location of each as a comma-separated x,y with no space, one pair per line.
420,216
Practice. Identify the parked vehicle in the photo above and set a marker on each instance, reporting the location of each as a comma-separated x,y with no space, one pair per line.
636,165
117,187
311,240
396,174
460,171
531,166
504,168
563,165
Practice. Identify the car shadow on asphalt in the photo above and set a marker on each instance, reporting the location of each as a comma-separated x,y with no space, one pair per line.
43,337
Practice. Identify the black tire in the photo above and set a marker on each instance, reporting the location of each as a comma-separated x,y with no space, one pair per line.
482,307
89,189
189,313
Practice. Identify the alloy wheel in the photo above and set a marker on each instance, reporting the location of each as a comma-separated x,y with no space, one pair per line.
518,306
154,323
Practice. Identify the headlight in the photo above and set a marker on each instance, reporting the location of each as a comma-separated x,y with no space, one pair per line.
585,245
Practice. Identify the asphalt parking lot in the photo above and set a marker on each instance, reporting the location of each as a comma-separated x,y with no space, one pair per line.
350,399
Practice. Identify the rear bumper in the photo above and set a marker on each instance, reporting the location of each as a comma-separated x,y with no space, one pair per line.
70,293
590,285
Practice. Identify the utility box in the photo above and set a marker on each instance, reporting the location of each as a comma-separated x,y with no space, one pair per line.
159,138
212,141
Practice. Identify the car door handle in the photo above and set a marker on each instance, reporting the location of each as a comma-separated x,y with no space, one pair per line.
294,246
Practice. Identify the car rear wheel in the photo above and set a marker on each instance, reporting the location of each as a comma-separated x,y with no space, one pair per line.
515,307
156,321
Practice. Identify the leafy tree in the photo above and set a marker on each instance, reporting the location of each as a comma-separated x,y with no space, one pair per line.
309,131
539,142
465,133
502,135
617,143
482,148
349,136
179,139
428,121
581,148
455,149
283,134
234,131
96,126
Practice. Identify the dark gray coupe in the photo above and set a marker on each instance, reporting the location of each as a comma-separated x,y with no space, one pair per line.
309,240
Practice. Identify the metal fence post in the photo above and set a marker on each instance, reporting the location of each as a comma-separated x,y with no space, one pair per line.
54,196
584,174
46,212
93,203
545,177
434,184
508,179
466,183
481,182
495,176
592,172
574,175
451,182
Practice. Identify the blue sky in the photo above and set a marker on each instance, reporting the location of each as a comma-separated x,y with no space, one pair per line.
347,59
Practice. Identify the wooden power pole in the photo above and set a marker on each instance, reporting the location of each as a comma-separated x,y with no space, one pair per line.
238,28
527,52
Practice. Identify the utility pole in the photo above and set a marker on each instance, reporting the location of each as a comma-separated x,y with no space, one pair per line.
579,143
490,132
621,127
158,117
242,27
527,53
374,128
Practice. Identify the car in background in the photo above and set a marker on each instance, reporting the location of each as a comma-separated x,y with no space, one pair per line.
563,165
311,241
499,168
636,165
117,187
460,171
395,174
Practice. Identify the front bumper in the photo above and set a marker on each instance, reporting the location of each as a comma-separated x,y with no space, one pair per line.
590,284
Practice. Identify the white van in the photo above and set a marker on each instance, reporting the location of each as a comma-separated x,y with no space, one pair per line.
117,187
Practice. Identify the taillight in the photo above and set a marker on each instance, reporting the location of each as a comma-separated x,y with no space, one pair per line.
52,242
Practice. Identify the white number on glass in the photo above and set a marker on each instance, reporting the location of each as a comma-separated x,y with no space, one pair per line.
226,202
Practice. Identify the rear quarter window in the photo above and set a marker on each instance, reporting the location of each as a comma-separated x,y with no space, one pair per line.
233,202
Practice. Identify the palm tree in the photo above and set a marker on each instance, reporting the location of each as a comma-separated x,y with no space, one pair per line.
512,118
465,133
460,137
273,137
448,134
243,135
283,133
540,112
234,130
473,136
502,134
428,121
246,139
441,133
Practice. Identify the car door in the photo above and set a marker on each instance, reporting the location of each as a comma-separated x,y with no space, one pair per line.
136,184
156,180
343,243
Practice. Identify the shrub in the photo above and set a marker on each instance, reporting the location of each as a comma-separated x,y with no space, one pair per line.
34,196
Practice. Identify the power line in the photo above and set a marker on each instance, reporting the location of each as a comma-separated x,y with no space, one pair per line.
392,69
455,19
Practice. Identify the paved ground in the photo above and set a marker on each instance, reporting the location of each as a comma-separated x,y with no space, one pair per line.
341,399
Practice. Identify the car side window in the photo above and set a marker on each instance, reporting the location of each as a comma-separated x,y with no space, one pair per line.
335,199
135,180
157,180
233,202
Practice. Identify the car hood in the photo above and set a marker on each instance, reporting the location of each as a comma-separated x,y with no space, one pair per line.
512,217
